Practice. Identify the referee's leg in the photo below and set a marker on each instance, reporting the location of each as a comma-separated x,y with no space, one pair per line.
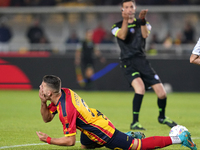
162,101
162,98
139,88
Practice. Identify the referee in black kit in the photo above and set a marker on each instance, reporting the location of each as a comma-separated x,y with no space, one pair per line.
131,34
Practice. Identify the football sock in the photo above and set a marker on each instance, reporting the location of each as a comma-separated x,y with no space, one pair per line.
175,139
162,104
137,101
156,142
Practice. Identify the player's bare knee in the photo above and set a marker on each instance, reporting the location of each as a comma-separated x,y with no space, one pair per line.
138,85
139,90
162,95
160,91
142,92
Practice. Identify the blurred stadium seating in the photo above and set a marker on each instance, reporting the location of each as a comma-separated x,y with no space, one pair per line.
58,21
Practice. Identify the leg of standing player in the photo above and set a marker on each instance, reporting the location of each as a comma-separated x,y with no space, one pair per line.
139,88
89,72
162,101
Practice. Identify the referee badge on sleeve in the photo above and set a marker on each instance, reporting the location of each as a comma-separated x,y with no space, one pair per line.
156,77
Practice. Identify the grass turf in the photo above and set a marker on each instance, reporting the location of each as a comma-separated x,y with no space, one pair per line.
20,116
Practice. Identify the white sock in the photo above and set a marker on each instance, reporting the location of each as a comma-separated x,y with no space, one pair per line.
175,140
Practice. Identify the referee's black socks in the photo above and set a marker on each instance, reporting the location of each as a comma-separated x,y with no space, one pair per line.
162,104
137,101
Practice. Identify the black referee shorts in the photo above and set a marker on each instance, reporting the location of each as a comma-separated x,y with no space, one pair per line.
139,67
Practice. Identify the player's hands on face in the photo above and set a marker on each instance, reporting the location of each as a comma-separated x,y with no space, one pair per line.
41,95
42,136
143,13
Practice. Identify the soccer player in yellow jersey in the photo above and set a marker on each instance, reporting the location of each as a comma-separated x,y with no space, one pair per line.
96,129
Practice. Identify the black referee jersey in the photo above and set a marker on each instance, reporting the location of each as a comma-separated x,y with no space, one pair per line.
134,44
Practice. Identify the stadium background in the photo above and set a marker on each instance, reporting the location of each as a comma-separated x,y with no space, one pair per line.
22,66
171,60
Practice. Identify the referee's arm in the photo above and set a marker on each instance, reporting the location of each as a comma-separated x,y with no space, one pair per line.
144,29
122,33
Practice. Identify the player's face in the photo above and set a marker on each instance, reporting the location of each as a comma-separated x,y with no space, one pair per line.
44,90
129,7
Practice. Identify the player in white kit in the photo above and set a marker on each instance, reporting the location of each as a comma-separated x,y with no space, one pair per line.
194,58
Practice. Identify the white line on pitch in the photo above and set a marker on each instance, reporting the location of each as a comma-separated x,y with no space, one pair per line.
13,146
196,138
4,147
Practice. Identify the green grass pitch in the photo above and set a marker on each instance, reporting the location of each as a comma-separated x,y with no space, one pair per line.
20,116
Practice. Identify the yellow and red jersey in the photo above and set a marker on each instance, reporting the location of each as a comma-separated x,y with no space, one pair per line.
75,114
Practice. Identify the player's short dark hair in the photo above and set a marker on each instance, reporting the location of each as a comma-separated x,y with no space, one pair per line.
53,82
123,1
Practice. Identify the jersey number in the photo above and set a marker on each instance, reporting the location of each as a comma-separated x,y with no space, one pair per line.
100,114
85,105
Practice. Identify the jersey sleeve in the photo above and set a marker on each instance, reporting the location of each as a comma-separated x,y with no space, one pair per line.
52,108
70,124
196,50
115,29
68,114
149,27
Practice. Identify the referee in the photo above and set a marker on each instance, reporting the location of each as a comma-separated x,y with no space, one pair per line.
131,34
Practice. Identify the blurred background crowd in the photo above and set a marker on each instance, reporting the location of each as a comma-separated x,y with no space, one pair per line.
7,3
173,32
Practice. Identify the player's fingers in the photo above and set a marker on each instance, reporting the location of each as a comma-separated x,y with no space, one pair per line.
38,134
44,135
145,11
41,133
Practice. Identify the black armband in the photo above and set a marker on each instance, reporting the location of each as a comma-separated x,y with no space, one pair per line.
143,22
